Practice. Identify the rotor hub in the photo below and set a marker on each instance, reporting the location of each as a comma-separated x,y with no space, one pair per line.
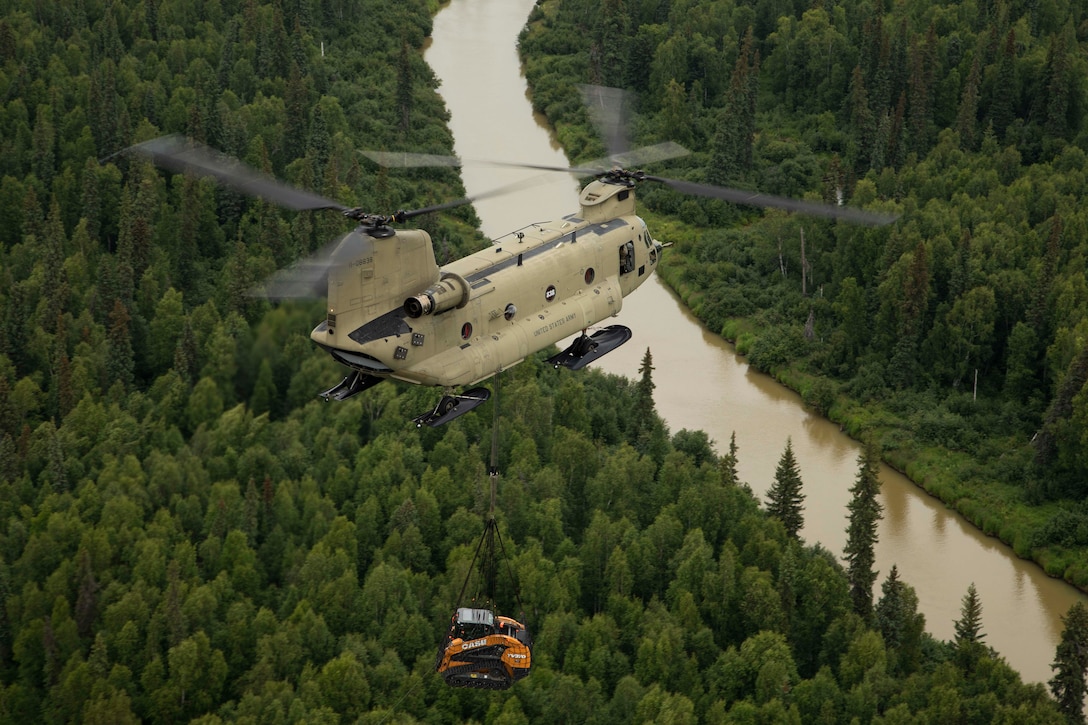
376,225
623,177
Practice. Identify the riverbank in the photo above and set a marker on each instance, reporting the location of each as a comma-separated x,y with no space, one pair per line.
972,453
956,478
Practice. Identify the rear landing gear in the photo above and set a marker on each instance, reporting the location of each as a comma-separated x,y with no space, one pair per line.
452,406
355,383
583,345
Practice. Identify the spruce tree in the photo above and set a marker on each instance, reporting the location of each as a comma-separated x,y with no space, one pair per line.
731,146
1002,111
888,612
900,623
318,143
728,463
1071,665
612,32
864,513
967,116
405,91
185,353
969,635
647,431
1057,74
120,359
90,198
264,390
644,392
785,501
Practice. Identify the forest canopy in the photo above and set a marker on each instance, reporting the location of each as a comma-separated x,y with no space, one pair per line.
958,336
189,534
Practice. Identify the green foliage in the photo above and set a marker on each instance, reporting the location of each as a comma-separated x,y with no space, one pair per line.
864,513
189,534
1071,665
971,128
900,624
785,500
969,635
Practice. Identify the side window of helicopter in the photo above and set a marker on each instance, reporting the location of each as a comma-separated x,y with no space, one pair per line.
627,258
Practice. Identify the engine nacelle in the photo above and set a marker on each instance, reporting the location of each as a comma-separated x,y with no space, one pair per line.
450,292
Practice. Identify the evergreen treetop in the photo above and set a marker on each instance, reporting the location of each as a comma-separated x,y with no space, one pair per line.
785,499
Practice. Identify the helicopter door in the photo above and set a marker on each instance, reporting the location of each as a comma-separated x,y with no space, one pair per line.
627,257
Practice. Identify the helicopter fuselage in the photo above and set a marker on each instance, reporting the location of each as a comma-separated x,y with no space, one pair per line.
393,313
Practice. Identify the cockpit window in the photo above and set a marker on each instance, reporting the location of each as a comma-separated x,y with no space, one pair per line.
627,257
473,623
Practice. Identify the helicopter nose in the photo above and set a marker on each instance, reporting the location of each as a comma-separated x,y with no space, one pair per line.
655,253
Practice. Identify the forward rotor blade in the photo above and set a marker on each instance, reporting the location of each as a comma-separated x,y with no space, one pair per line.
629,158
751,198
609,108
183,155
409,160
595,170
642,156
596,167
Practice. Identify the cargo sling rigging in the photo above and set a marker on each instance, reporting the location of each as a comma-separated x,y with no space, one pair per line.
482,649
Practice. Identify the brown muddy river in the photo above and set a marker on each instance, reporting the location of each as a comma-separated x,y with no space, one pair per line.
703,385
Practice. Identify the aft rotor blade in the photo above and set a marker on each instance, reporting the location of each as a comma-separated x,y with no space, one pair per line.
751,198
183,155
307,278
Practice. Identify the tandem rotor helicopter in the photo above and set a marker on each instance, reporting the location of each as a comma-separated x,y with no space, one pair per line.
394,313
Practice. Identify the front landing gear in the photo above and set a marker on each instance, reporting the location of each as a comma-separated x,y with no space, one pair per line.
453,406
355,383
587,348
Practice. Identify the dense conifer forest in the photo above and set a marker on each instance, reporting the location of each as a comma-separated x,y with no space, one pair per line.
188,534
958,336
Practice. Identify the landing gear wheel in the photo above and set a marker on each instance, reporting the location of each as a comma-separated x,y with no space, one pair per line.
587,348
582,345
453,406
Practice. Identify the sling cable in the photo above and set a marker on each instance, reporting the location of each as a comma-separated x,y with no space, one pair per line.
482,649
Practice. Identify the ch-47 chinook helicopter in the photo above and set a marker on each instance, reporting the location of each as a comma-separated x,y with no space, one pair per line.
394,313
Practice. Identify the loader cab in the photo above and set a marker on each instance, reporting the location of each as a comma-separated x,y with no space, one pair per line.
470,623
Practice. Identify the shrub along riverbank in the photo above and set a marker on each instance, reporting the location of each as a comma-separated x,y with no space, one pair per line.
956,337
974,485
